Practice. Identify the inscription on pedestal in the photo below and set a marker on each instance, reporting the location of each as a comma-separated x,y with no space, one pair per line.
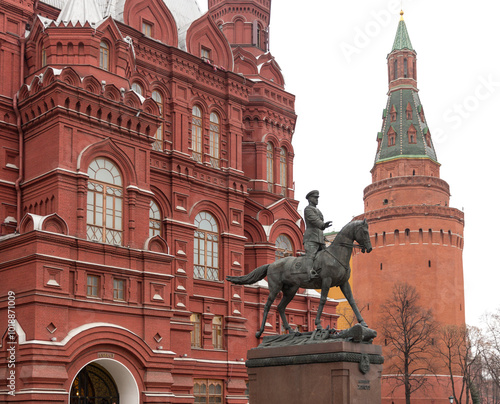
363,385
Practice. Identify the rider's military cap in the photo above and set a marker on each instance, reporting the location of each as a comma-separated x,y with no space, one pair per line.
312,193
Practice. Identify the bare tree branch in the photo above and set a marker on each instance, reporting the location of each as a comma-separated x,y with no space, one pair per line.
409,330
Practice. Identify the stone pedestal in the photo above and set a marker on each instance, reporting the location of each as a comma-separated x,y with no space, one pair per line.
329,372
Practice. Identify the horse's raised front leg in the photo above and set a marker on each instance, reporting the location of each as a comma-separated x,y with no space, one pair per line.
288,294
272,295
325,287
346,290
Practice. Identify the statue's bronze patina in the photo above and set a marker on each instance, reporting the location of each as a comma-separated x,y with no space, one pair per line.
314,240
331,265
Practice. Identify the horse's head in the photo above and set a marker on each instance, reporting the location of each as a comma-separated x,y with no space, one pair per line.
362,236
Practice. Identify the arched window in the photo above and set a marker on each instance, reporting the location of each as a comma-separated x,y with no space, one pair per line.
137,88
104,55
270,165
196,133
395,70
154,219
158,144
283,167
405,64
283,247
104,202
208,391
206,247
214,140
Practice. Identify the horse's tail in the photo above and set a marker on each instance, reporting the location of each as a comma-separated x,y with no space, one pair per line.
254,276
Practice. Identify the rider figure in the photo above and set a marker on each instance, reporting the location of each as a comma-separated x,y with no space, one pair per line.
314,240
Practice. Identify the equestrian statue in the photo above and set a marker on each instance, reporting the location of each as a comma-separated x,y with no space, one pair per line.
325,266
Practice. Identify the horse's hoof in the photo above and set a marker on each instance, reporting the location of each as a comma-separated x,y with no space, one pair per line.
258,334
364,324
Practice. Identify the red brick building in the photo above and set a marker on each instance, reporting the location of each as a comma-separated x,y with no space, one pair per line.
146,154
416,236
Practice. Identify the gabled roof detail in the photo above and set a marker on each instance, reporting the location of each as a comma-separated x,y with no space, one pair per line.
402,40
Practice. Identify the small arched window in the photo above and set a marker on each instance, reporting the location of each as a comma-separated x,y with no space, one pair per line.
137,88
283,168
412,135
196,133
215,140
104,202
158,143
283,247
395,71
405,65
206,247
104,55
154,219
270,165
391,137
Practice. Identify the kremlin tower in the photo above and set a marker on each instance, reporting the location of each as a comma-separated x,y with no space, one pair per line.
417,237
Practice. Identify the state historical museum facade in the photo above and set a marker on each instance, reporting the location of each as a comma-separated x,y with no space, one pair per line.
146,155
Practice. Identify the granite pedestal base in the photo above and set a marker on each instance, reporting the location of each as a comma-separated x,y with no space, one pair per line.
336,372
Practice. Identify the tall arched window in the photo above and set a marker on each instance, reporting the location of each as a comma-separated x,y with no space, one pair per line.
405,66
196,133
104,202
104,55
283,247
154,219
283,167
206,247
214,140
395,70
270,165
158,144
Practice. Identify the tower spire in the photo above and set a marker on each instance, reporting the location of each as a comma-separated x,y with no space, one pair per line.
402,40
404,135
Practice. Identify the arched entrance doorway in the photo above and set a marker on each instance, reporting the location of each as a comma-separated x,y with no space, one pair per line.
94,385
104,381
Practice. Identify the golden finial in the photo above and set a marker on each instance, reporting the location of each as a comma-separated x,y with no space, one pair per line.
401,14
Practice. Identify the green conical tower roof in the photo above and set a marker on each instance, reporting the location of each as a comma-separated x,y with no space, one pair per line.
404,133
402,40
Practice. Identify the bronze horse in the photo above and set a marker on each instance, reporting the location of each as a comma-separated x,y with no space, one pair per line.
331,264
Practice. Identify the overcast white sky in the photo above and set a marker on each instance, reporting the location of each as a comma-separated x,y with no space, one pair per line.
333,57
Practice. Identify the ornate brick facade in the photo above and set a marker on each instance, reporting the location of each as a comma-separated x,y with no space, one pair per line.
146,154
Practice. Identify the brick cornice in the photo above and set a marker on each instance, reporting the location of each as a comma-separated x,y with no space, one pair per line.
407,181
408,211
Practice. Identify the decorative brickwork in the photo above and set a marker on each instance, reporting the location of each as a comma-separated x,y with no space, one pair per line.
135,175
